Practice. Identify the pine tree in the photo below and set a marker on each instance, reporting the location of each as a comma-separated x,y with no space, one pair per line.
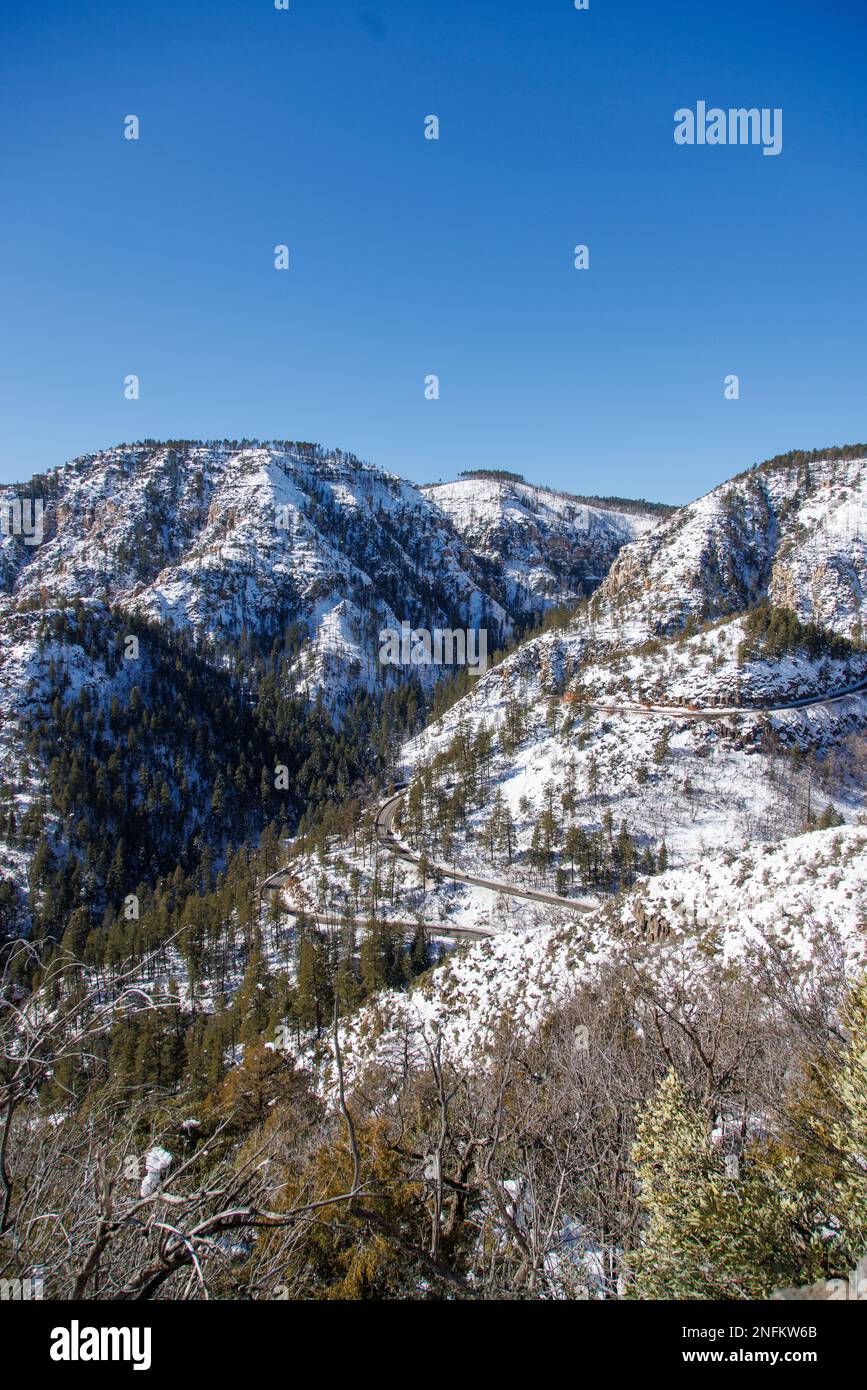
675,1168
593,777
252,1002
831,1112
307,1006
418,952
795,1212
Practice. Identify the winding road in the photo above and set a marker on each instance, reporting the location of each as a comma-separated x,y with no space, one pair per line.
386,836
274,882
384,823
386,813
710,712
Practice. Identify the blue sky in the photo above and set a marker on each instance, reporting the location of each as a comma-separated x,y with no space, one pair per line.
411,257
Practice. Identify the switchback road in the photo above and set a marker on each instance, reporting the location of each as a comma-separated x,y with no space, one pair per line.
710,712
386,836
386,813
276,881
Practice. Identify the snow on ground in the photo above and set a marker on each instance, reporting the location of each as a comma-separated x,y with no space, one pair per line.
690,784
554,546
797,534
784,897
715,667
223,540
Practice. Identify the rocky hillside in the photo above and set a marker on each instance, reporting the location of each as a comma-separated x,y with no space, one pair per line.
550,546
191,618
805,898
713,693
793,530
251,541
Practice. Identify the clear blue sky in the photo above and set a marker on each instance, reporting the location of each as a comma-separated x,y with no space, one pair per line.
411,257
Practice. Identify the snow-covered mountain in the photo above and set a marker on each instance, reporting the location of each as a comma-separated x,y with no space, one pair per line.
793,529
713,694
275,566
241,547
551,547
225,540
698,782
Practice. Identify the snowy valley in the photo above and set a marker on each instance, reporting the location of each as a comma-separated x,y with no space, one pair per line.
631,855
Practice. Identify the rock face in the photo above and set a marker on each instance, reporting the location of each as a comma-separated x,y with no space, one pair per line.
652,926
551,547
793,532
229,541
